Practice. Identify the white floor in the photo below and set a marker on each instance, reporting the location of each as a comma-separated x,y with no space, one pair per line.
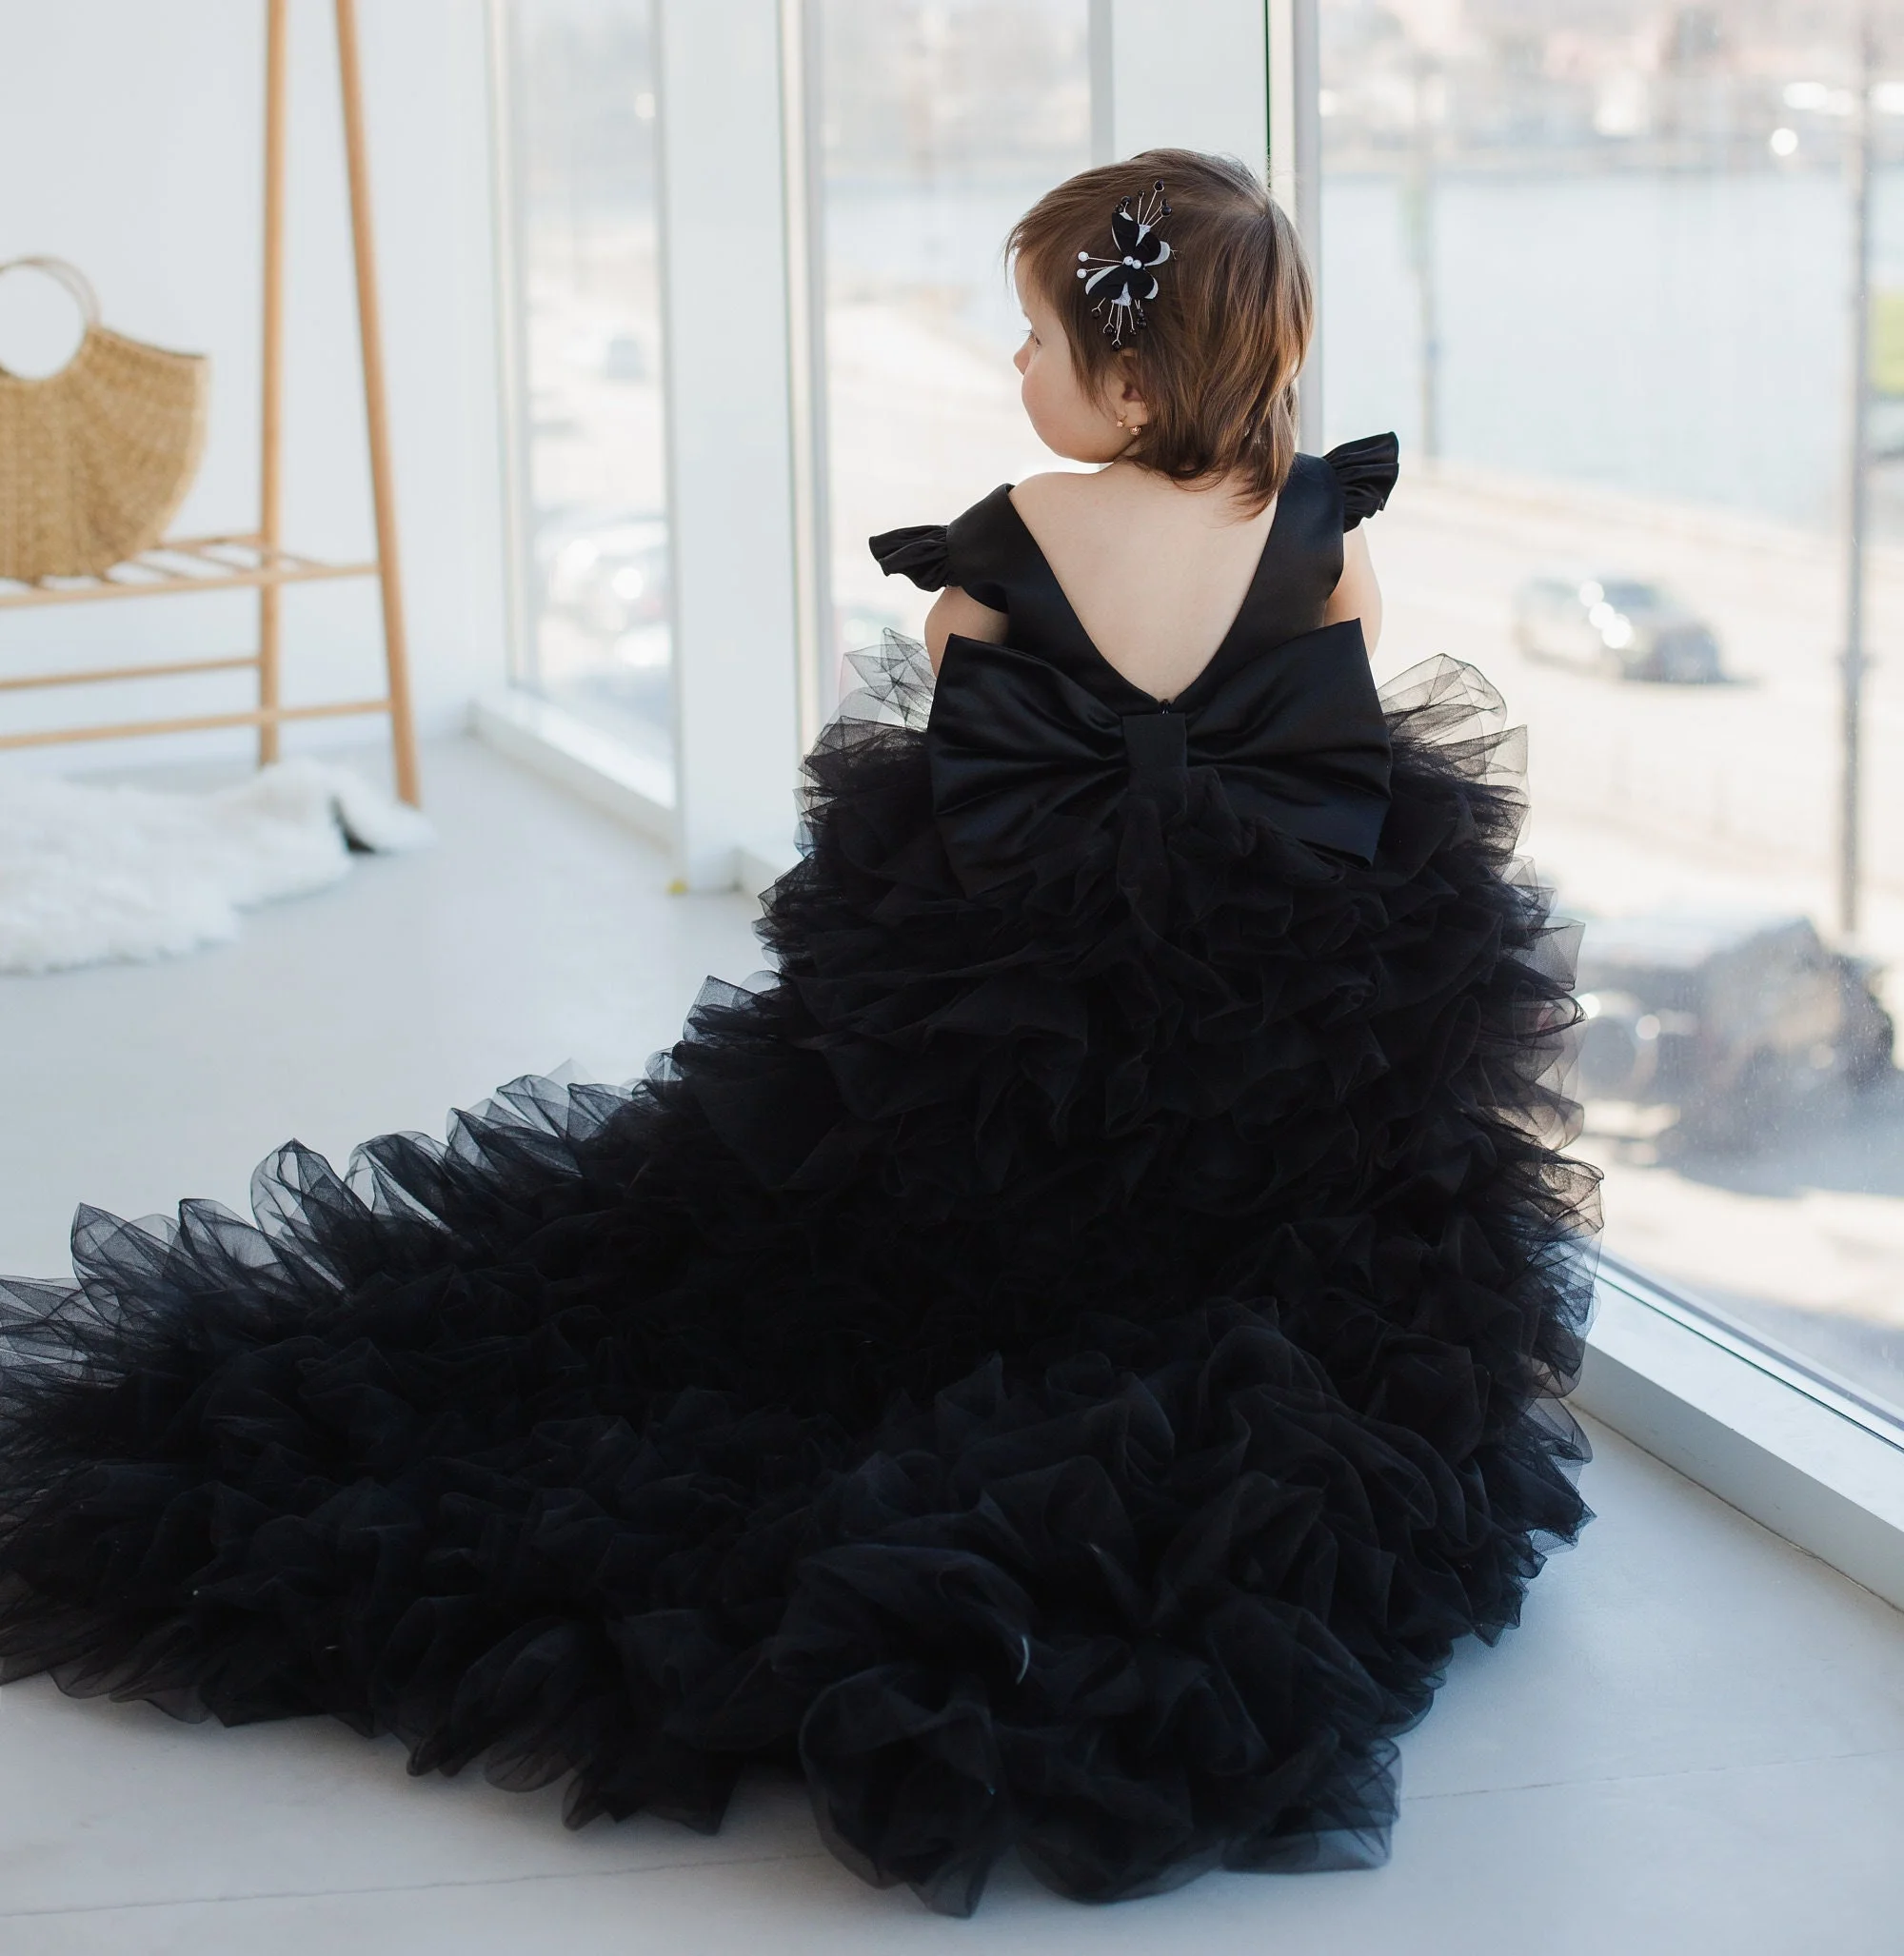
1696,1742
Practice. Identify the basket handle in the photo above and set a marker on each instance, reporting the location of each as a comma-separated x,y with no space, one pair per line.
75,281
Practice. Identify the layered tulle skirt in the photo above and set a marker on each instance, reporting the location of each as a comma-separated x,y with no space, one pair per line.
1060,1369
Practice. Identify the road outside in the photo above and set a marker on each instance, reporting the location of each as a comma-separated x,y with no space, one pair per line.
1649,797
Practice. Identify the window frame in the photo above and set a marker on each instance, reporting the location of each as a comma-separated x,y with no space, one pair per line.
1821,1468
1807,1456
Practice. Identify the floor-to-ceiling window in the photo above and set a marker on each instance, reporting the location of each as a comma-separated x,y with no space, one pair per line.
581,117
1594,264
940,121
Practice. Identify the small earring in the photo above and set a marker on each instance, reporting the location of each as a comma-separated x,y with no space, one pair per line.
1120,420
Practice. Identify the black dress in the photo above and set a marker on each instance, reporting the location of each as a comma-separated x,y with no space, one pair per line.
1060,1364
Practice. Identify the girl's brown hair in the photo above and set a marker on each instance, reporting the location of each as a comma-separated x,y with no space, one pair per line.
1227,332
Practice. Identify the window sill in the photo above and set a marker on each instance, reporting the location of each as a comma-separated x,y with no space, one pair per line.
603,772
580,758
1824,1476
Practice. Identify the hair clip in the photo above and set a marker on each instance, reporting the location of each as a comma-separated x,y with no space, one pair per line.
1122,284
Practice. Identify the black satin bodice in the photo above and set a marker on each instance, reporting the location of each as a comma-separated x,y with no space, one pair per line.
1039,740
989,553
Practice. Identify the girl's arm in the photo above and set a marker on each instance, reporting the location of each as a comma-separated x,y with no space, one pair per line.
954,612
1358,595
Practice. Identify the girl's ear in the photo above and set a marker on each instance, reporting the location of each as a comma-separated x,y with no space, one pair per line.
1127,397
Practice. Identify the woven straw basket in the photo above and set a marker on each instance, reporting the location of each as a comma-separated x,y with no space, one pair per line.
96,458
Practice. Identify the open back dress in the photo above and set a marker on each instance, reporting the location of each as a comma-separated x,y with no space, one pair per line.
1059,1362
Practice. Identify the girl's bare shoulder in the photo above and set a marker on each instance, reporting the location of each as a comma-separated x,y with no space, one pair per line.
1059,488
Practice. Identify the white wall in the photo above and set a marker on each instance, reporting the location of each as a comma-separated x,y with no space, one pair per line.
130,142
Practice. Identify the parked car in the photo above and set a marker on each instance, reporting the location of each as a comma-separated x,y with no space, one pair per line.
1620,627
1739,1023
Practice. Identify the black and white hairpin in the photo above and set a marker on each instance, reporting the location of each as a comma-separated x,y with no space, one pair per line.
1120,284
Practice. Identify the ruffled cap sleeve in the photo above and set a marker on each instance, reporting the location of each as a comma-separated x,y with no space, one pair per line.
1366,470
918,552
982,551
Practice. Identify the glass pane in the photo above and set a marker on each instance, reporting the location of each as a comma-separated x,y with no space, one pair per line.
941,122
585,138
1593,263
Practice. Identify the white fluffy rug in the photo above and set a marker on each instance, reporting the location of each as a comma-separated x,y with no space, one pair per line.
93,874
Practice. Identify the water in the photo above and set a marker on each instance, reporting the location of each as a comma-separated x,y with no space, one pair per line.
1674,334
938,239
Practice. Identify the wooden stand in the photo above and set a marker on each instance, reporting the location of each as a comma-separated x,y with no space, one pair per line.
257,559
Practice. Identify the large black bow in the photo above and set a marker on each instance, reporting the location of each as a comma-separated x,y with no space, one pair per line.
1024,758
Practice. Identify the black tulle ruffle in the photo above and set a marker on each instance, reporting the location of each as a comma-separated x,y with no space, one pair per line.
1061,1372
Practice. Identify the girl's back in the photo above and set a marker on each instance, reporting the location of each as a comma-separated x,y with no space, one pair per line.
1156,573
